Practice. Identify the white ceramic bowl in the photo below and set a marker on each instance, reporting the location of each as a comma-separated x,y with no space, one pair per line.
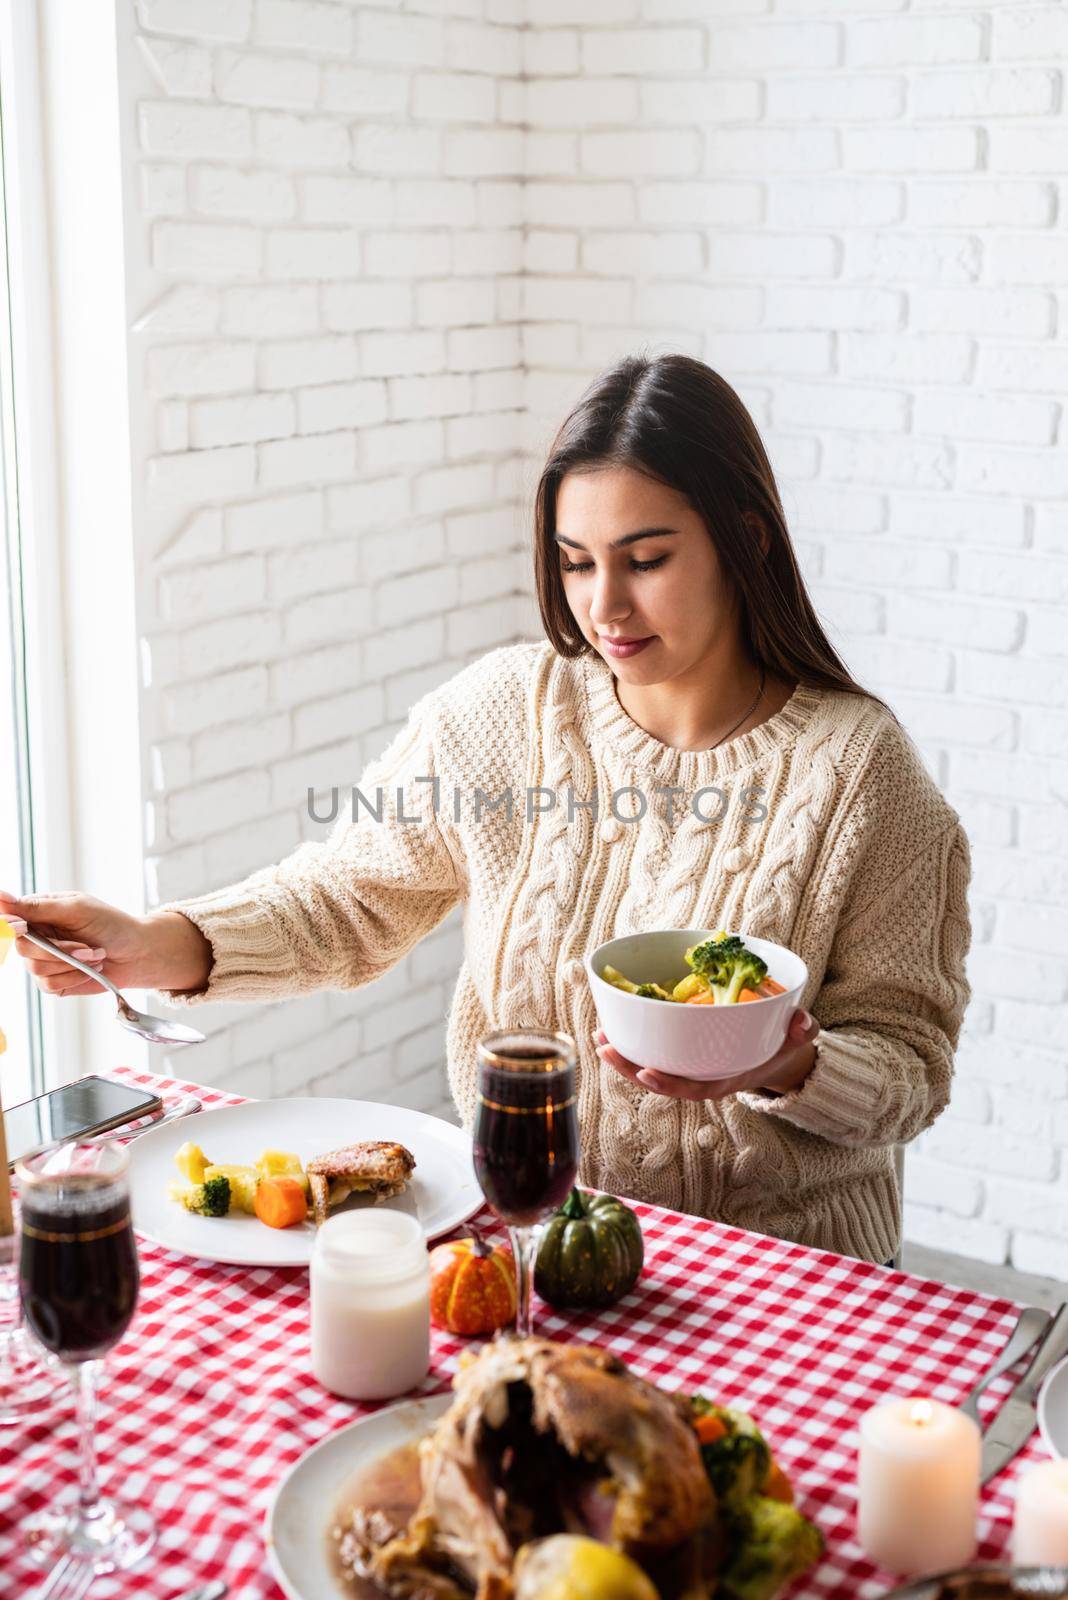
691,1041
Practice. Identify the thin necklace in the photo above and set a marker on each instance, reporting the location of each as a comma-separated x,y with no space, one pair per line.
748,712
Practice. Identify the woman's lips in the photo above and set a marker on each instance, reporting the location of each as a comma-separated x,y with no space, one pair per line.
622,648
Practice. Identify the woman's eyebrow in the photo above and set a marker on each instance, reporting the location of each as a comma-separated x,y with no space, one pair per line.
617,544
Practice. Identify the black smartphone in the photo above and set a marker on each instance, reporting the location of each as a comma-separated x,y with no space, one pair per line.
88,1105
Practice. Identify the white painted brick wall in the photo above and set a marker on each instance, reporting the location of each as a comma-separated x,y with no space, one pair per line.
373,256
323,217
869,244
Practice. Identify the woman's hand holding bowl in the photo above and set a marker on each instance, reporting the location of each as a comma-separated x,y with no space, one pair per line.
787,1069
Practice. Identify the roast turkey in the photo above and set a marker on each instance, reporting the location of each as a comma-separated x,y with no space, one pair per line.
545,1438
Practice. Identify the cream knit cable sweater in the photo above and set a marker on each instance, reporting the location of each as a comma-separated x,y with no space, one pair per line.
855,861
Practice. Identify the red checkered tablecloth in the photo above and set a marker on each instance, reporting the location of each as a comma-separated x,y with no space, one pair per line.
209,1399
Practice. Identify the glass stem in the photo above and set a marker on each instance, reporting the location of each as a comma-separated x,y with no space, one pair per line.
524,1246
84,1379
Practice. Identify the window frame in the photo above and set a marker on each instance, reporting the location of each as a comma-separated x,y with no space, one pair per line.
24,327
59,100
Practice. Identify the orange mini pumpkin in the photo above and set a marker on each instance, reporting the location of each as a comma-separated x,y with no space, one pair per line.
472,1286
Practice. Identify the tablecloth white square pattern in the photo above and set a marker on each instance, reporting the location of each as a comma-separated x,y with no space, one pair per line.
209,1398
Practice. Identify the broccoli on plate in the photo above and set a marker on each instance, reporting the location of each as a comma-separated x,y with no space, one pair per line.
735,1452
208,1199
773,1544
768,1541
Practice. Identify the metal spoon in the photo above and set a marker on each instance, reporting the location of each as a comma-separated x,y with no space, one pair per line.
157,1030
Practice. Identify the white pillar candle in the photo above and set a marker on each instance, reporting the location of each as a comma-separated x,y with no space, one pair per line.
370,1304
1040,1528
918,1486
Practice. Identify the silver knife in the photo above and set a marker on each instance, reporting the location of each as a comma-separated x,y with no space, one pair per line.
1031,1325
1016,1421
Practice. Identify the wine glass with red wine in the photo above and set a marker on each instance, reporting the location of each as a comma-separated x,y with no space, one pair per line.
526,1142
30,1381
78,1282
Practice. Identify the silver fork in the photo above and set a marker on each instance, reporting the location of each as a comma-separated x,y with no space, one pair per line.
186,1106
69,1579
81,1574
1030,1326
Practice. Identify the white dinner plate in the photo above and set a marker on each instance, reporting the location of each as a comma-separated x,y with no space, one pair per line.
1052,1409
297,1525
442,1191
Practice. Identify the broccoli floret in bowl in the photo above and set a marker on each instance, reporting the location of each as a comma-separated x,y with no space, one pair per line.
644,991
726,967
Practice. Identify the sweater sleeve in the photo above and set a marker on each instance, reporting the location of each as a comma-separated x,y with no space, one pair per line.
338,913
890,1007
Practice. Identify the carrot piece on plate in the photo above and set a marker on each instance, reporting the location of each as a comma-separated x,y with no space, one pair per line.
748,994
280,1202
769,986
709,1428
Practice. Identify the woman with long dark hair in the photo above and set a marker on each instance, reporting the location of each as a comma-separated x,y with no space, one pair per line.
684,749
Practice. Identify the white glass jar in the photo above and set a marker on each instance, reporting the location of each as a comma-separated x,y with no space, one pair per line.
370,1304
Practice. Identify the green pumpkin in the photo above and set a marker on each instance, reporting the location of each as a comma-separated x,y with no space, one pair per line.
590,1253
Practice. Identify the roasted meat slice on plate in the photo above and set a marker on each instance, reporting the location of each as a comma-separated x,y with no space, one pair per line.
376,1166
